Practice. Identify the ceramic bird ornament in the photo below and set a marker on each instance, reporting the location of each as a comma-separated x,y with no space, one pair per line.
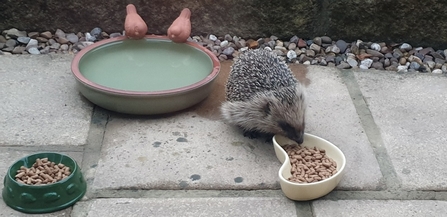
180,29
134,25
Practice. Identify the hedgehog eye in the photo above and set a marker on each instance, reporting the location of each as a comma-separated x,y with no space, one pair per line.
287,128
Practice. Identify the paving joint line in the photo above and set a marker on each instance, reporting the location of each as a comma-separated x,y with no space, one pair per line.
334,195
390,179
92,150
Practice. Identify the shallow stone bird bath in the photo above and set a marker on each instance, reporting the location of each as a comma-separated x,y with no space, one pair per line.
149,76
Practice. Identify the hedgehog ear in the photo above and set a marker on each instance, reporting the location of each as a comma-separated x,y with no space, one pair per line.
266,108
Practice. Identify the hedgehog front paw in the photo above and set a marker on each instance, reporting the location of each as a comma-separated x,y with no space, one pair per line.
256,134
251,134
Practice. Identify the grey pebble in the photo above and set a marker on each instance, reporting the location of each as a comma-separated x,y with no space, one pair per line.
15,33
333,49
23,39
55,46
291,46
405,47
51,41
366,63
402,68
317,40
212,37
96,32
326,40
64,47
342,45
72,38
330,58
33,50
315,47
344,65
46,35
228,37
352,62
437,55
45,50
374,53
271,44
291,54
224,43
375,47
430,64
397,53
62,40
115,34
42,39
59,33
90,37
386,62
32,43
310,53
18,50
11,43
294,39
415,65
437,71
377,65
228,51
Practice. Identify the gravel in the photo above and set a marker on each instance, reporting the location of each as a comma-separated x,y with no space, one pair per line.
321,50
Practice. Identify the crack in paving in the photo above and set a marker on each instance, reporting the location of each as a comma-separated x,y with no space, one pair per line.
390,178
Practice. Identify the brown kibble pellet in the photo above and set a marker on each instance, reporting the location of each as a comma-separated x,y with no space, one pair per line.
20,174
42,172
309,164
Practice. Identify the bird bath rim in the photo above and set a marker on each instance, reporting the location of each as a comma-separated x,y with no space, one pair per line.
81,78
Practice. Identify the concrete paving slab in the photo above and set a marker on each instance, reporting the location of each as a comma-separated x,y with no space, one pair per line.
183,151
202,153
379,208
332,116
410,111
40,104
146,207
6,211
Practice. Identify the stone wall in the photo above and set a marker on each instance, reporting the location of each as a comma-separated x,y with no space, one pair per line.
417,22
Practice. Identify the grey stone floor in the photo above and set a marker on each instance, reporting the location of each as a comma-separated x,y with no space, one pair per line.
390,126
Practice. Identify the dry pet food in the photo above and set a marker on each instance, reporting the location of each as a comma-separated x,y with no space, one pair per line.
42,172
309,164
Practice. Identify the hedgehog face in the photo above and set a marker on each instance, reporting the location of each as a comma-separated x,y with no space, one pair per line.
274,112
289,117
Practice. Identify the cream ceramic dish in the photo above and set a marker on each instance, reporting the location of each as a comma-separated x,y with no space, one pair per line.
307,191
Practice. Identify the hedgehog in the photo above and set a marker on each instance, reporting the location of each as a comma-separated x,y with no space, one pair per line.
263,98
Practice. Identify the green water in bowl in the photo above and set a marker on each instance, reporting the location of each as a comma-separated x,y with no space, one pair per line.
145,65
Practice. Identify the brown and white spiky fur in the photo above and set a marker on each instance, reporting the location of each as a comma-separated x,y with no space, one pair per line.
263,97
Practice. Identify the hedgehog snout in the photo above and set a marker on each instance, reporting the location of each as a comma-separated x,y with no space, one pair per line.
295,134
297,137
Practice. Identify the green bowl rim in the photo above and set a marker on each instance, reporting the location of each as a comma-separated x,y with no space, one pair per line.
82,79
46,185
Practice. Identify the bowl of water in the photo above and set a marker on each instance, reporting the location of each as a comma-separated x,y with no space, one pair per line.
149,76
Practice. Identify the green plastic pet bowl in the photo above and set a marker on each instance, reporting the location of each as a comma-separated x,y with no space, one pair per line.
44,198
